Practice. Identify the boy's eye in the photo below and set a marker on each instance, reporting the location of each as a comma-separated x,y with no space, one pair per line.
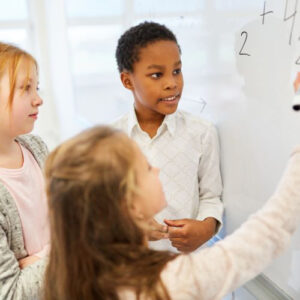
177,71
156,75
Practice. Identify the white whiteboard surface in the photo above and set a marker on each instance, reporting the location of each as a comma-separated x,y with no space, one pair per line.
242,63
249,96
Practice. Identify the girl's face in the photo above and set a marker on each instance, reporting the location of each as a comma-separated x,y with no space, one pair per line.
151,198
26,101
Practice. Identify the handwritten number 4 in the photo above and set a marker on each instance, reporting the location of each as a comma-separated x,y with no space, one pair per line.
292,16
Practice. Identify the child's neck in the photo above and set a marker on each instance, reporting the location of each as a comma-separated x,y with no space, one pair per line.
11,156
149,122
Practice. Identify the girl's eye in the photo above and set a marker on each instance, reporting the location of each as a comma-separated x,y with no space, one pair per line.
156,75
27,87
177,71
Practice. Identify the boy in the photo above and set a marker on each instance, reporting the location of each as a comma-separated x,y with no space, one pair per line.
184,147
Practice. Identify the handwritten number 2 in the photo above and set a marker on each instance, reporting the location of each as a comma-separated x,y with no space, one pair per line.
246,36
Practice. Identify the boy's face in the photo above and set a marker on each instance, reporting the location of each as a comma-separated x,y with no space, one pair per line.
156,80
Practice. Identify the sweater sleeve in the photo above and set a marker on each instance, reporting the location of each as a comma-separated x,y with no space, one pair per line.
209,176
16,283
214,272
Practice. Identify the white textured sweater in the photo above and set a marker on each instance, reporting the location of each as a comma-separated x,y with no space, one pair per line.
213,272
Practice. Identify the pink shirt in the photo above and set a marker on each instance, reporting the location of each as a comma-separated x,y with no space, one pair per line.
26,186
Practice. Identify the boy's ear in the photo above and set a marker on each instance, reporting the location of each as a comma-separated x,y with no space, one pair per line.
126,80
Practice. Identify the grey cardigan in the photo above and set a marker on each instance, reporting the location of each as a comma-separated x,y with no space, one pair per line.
17,284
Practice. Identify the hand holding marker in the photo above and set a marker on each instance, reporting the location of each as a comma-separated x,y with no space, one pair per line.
296,102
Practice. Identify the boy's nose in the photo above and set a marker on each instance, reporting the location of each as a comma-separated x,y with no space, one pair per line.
170,83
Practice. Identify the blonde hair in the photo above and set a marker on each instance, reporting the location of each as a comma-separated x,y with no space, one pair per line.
11,58
96,246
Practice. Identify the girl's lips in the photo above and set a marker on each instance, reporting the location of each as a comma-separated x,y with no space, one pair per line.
34,116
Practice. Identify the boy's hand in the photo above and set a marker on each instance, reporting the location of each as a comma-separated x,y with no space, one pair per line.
157,231
27,261
297,82
187,234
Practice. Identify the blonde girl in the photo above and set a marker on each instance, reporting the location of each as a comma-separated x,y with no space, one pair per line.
23,208
102,194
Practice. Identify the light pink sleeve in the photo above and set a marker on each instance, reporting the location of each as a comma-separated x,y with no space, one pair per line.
214,272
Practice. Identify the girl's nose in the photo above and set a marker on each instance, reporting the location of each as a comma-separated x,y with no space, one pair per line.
38,101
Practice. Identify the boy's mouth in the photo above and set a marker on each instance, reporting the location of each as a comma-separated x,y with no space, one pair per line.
170,98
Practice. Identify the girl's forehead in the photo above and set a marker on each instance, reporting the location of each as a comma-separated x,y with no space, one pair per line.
27,70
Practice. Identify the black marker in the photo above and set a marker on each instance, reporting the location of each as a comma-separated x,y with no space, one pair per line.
296,101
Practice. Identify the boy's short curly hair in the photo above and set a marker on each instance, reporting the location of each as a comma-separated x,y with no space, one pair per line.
137,37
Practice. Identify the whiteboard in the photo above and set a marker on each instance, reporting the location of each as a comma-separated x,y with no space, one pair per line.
239,56
247,58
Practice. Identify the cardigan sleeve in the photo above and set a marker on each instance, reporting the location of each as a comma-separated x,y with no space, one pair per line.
214,272
16,283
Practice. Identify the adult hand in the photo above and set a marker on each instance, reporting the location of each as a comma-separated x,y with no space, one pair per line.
297,82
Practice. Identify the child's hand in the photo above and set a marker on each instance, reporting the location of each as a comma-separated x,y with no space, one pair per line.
187,234
27,261
297,82
157,231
